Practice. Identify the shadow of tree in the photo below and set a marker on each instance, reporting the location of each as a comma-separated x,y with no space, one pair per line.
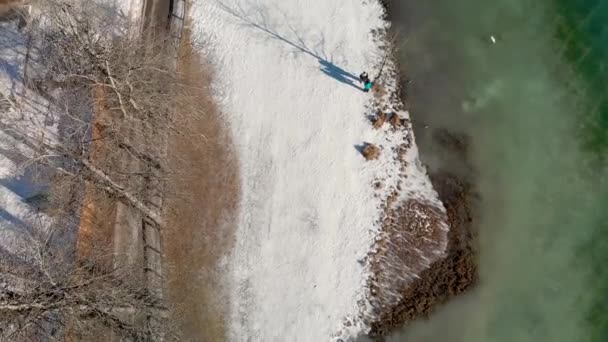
327,67
12,51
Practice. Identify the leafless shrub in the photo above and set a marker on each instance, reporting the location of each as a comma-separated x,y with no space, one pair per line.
50,293
197,237
98,106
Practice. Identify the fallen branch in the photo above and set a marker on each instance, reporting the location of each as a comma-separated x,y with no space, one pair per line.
116,189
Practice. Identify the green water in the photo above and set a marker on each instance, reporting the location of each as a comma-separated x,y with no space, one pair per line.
535,105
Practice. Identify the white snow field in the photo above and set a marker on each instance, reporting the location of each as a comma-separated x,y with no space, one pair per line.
286,79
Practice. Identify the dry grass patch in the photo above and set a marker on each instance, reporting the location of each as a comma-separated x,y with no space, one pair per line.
201,220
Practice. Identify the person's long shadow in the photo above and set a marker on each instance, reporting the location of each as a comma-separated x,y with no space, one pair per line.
338,73
326,67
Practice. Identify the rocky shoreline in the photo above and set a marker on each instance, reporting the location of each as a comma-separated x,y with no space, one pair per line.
452,275
457,271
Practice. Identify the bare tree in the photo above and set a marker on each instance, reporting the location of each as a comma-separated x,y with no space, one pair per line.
60,282
108,87
47,292
97,106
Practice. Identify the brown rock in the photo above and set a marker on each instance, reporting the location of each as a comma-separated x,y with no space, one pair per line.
380,120
395,120
371,152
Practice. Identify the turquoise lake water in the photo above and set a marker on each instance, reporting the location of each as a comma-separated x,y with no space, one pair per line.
535,105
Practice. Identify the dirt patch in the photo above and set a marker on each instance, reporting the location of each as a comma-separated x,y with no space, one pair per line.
202,213
98,206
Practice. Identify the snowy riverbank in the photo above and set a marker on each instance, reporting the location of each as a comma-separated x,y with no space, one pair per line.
310,215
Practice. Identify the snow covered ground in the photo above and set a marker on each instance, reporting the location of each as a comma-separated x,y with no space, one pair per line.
17,217
287,82
12,208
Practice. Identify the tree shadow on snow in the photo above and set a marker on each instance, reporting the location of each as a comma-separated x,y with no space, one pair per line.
12,52
9,222
326,65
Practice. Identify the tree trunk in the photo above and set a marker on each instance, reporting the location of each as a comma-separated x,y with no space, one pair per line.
114,188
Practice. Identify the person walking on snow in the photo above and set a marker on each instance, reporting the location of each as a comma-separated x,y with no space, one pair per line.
367,84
